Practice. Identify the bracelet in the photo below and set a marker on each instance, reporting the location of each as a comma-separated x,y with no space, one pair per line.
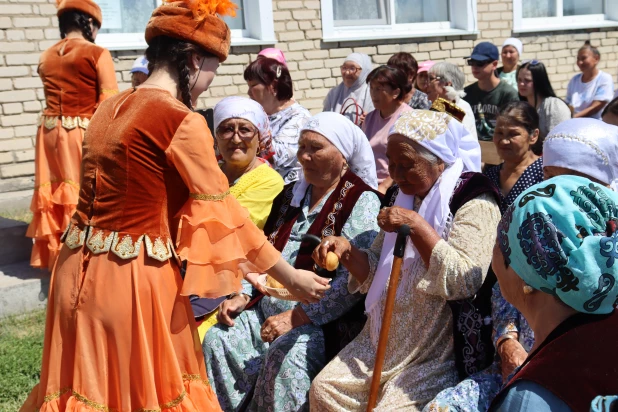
503,339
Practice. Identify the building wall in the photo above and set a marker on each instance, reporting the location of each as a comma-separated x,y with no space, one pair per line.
28,27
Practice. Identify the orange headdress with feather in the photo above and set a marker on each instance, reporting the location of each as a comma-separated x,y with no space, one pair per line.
195,21
87,6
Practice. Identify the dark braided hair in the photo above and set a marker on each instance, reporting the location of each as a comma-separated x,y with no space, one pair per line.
174,53
76,20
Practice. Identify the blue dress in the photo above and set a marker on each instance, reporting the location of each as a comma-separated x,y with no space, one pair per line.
247,372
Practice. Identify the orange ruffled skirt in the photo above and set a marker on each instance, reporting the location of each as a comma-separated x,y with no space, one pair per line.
119,336
57,162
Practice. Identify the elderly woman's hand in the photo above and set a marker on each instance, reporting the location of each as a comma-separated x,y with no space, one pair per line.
390,219
231,308
339,245
282,323
512,355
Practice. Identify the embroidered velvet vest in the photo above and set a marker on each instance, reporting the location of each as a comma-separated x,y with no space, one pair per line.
577,362
329,222
472,327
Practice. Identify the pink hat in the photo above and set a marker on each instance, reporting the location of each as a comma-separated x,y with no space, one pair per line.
425,66
273,53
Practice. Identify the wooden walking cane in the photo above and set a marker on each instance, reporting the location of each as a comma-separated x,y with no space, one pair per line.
400,247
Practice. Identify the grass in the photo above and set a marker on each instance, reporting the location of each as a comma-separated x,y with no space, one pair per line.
23,215
21,349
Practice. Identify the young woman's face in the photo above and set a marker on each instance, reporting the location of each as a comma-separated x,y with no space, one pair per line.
525,84
510,56
422,81
202,72
586,60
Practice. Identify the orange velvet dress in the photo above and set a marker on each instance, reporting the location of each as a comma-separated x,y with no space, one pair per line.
120,333
77,75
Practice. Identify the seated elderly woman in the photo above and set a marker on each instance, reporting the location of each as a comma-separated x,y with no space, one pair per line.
446,80
575,147
555,259
266,358
242,136
453,215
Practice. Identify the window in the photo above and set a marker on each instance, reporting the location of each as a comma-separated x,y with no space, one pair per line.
382,19
124,22
546,15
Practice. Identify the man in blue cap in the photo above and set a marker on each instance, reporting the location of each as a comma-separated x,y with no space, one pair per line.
489,94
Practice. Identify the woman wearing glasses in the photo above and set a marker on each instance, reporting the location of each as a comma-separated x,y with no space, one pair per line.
351,97
534,86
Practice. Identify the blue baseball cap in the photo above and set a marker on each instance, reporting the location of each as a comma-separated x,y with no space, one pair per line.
484,51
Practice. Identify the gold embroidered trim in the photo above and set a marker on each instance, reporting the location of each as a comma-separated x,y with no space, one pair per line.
158,250
582,140
110,91
98,242
197,378
68,122
420,125
56,395
126,248
168,405
204,196
91,404
75,237
69,181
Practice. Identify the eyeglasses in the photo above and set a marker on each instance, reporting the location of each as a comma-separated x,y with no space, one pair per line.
434,78
351,70
245,133
476,63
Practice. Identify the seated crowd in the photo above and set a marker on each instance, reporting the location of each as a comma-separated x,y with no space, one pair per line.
507,291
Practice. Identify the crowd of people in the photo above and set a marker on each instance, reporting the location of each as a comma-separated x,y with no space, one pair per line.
162,235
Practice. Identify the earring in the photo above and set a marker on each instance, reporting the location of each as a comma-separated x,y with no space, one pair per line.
528,289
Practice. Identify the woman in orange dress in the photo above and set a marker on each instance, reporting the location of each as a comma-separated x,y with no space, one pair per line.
120,333
77,75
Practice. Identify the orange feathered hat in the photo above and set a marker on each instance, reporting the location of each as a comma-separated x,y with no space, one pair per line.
87,6
195,21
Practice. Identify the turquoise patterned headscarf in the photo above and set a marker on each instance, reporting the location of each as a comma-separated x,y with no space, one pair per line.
560,237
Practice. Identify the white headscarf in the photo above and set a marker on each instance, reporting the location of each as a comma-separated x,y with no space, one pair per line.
512,41
359,90
350,140
450,141
244,108
586,145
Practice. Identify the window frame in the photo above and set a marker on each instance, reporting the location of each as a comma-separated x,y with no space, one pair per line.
259,30
561,23
460,24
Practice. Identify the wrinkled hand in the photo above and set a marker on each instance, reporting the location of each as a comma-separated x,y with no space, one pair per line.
512,355
276,326
231,308
253,279
339,245
307,287
390,219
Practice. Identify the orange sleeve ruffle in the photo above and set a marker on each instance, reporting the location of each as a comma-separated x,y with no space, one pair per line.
216,232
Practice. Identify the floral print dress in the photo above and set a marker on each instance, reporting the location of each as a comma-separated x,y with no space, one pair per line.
247,372
477,391
285,126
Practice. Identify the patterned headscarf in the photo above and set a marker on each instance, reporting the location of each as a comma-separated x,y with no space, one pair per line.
243,108
560,237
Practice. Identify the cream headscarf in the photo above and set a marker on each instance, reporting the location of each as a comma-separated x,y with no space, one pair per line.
449,140
350,140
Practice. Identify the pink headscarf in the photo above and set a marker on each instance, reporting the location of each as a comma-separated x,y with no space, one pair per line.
273,53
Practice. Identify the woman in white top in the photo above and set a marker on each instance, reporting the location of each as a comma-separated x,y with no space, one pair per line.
533,85
511,53
589,91
353,91
446,80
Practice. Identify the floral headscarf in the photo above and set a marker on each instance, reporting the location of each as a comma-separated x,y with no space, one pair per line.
560,237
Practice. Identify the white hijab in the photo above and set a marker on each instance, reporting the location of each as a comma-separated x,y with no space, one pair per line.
350,140
586,145
450,141
359,90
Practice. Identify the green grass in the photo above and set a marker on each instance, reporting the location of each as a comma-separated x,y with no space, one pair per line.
23,215
21,349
